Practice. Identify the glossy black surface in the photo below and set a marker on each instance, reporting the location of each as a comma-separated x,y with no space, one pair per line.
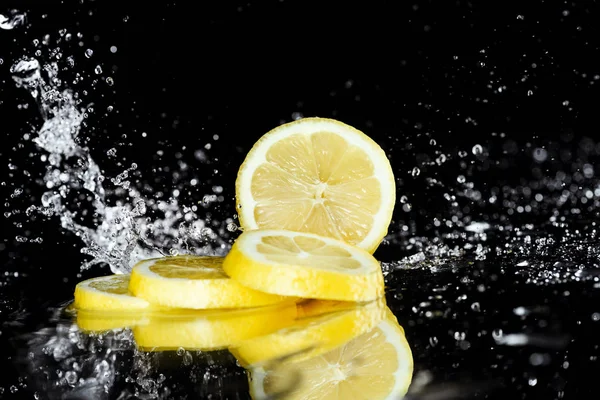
424,79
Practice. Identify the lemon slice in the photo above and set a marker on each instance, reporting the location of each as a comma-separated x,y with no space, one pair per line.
312,334
377,365
101,321
210,329
107,293
304,265
321,176
197,282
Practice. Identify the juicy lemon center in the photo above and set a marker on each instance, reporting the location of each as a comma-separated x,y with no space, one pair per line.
319,189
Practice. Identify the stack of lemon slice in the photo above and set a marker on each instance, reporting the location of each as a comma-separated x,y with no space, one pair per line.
315,198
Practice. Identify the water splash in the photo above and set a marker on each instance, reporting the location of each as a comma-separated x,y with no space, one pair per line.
119,235
12,20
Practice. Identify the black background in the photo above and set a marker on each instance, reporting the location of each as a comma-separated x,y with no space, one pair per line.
459,72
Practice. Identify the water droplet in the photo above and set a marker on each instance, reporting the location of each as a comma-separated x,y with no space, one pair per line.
460,335
477,149
110,81
532,381
98,70
540,155
89,53
530,93
433,341
231,227
415,171
461,179
111,152
297,115
71,377
440,159
462,154
403,199
476,307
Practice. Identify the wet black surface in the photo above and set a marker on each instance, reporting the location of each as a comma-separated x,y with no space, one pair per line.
425,80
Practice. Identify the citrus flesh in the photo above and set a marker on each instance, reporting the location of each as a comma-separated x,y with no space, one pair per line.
376,365
197,282
321,176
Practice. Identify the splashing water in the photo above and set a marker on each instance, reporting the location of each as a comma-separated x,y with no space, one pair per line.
12,20
122,234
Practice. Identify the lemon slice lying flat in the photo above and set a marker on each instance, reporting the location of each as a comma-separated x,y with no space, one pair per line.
107,293
312,334
304,265
102,321
321,176
197,282
377,365
211,329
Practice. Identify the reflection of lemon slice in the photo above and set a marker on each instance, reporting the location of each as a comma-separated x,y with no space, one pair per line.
193,282
318,175
211,329
304,265
98,321
107,293
376,365
312,334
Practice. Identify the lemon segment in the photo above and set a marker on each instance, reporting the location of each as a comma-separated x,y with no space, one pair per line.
311,334
211,329
107,293
197,282
321,176
304,265
376,365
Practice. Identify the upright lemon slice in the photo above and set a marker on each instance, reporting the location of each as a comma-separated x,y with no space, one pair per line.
321,176
323,326
211,329
377,365
192,282
107,293
304,265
